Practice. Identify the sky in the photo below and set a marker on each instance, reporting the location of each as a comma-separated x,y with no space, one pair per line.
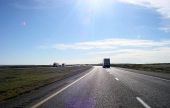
84,31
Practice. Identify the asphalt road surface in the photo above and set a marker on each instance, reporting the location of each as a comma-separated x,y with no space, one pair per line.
111,88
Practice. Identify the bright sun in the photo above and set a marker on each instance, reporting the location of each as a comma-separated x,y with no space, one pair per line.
93,4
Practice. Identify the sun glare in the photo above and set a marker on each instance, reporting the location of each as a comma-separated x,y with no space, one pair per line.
93,4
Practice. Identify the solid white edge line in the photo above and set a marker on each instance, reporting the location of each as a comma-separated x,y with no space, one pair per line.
56,93
142,102
117,79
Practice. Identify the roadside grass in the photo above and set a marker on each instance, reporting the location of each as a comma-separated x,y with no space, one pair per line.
161,68
15,81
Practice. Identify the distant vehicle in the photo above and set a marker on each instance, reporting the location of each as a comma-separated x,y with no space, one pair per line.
106,63
63,65
55,64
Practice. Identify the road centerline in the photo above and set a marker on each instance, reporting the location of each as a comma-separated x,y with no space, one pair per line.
142,102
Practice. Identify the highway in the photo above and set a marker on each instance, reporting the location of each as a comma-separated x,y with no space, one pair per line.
110,88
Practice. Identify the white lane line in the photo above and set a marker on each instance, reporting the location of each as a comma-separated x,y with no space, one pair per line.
56,93
117,79
142,102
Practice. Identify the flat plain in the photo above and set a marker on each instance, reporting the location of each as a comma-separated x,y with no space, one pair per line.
16,81
157,67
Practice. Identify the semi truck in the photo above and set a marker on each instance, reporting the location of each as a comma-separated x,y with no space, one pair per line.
106,63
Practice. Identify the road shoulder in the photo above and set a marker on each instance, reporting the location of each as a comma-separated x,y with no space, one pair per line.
154,74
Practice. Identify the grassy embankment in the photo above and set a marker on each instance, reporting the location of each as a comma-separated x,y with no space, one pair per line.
161,68
15,81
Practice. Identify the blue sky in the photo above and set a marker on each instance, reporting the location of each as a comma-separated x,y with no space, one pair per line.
84,31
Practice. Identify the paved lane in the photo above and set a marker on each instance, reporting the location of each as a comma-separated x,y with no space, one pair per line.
155,91
112,88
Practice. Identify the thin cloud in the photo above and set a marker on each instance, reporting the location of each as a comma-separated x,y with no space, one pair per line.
111,44
155,55
165,28
161,6
119,50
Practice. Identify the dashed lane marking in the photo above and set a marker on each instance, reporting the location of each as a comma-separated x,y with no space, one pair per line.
142,102
117,79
